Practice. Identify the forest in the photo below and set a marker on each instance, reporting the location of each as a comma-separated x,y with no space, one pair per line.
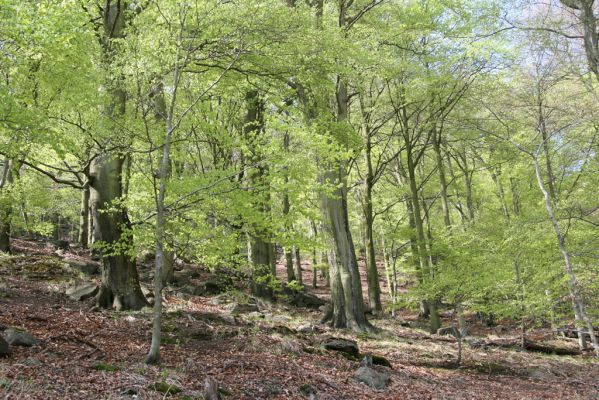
299,199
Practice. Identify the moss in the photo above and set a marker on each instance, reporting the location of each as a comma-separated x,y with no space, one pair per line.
166,388
170,340
105,367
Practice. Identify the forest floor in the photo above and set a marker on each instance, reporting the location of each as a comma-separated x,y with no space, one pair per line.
272,353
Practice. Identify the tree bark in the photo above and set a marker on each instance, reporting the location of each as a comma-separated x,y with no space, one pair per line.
262,252
120,282
372,274
5,206
84,218
573,285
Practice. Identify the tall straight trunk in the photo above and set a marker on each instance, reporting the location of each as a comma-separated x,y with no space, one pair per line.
298,265
420,235
286,210
346,286
578,305
162,114
496,176
346,290
84,218
120,282
400,178
261,248
372,275
5,205
442,178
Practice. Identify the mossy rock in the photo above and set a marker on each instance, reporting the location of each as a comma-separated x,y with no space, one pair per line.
166,388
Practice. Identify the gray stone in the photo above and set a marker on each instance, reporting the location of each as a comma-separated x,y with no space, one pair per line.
88,268
305,328
342,345
237,308
291,346
19,338
194,290
147,291
281,319
4,349
83,292
370,377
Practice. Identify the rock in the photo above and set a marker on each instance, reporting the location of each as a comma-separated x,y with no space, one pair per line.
237,308
341,345
305,328
299,298
83,292
88,268
255,314
216,284
280,319
147,291
4,349
181,278
194,290
61,245
372,378
449,331
19,338
291,346
380,360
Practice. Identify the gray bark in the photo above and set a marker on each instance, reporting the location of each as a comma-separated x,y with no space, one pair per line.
120,282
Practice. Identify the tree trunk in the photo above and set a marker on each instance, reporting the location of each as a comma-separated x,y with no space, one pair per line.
5,206
372,274
573,285
298,265
420,236
120,282
346,286
261,251
84,218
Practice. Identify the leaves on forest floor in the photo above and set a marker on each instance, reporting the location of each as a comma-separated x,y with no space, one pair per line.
84,354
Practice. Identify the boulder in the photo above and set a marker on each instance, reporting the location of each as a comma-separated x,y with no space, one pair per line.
216,284
341,345
181,278
147,291
237,308
291,346
19,338
300,298
194,290
85,267
83,292
369,376
4,349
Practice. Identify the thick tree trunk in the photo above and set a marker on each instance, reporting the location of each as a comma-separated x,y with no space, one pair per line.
120,282
346,286
262,253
